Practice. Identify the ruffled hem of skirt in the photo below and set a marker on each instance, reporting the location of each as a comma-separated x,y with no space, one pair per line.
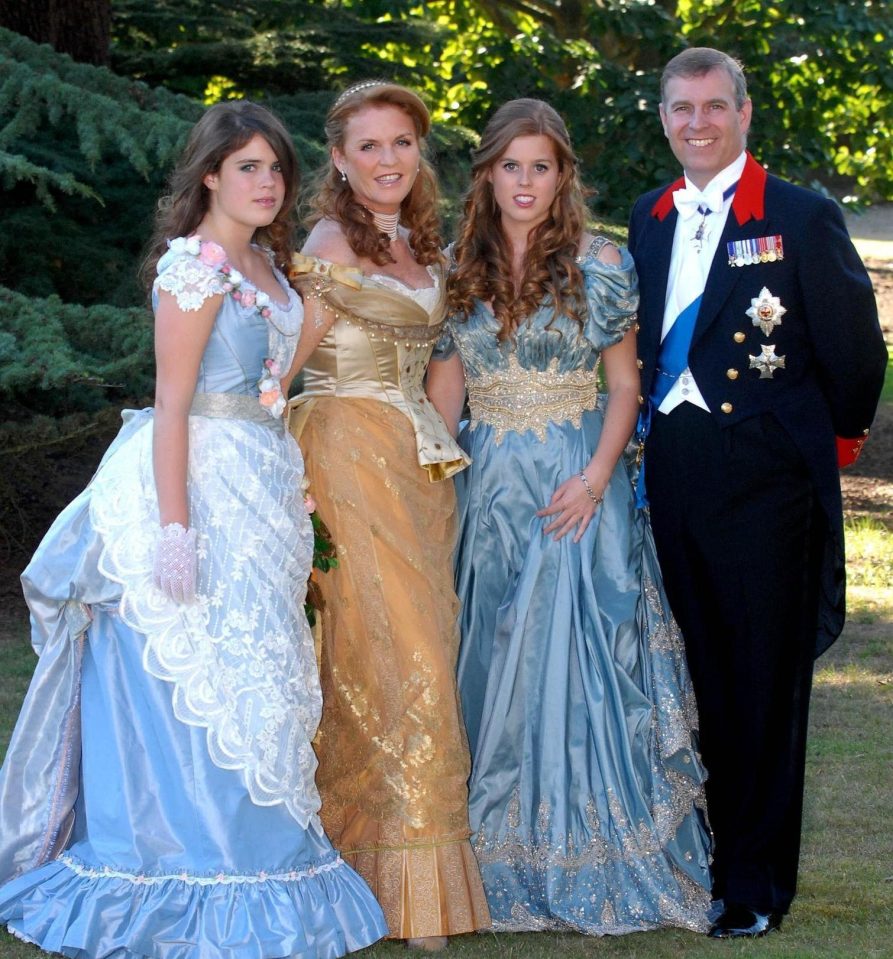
319,913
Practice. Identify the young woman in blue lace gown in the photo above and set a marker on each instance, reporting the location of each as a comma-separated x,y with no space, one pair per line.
586,794
158,796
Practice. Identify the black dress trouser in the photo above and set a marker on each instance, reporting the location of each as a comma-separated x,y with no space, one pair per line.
739,536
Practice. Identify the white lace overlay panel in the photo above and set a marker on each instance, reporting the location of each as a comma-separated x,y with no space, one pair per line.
241,659
189,280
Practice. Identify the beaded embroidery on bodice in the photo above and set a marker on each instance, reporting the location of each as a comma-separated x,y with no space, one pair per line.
547,371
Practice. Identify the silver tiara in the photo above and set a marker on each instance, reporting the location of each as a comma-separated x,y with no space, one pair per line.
365,85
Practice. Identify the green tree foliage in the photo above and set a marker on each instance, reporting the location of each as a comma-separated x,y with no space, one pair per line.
61,358
15,168
83,154
109,113
213,49
65,372
821,77
84,151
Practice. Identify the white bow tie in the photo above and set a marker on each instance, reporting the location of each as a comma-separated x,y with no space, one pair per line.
691,202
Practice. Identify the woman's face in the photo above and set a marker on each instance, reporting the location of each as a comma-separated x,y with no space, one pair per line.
525,180
380,156
249,188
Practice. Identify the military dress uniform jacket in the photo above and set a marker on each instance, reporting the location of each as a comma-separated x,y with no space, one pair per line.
810,351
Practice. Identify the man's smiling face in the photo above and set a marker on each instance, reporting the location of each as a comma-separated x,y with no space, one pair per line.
705,128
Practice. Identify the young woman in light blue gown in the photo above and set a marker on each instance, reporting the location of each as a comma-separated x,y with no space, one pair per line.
586,793
158,796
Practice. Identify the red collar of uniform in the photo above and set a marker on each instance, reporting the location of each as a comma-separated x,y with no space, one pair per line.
749,201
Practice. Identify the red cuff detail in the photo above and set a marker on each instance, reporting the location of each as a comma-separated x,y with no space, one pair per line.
848,450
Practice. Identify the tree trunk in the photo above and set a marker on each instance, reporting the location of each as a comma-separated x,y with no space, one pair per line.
80,28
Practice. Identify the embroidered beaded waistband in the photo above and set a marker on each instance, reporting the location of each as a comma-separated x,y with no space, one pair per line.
233,406
517,399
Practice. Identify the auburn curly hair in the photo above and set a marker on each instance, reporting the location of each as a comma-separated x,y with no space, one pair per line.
482,255
333,198
223,129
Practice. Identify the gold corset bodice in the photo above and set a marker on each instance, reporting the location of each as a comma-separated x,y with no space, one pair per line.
377,348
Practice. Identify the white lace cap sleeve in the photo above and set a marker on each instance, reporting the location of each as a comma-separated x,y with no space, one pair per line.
189,279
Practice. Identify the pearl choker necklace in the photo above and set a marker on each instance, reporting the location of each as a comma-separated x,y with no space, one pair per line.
387,223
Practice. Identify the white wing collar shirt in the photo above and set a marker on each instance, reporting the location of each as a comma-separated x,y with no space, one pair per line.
694,245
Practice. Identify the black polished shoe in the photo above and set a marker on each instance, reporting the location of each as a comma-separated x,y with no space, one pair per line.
741,922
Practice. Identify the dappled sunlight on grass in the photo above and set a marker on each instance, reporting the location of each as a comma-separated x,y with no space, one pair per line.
869,601
869,547
852,674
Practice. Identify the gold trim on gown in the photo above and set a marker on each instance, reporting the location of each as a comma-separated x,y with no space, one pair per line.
393,757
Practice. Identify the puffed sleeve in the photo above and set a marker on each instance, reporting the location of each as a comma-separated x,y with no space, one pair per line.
612,298
187,277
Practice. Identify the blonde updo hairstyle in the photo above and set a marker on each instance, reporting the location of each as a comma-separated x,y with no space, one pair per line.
482,253
334,199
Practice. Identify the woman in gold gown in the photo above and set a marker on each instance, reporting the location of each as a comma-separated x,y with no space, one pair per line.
393,758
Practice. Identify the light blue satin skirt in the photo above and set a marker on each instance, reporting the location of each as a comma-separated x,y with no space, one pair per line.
169,857
586,794
120,837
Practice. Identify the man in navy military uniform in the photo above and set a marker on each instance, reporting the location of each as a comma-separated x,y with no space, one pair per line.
762,363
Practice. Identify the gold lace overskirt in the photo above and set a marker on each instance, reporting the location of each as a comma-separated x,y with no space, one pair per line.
393,758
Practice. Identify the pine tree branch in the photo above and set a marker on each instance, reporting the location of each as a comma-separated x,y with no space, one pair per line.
15,168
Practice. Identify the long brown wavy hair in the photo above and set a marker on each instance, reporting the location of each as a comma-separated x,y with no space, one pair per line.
482,253
333,198
223,129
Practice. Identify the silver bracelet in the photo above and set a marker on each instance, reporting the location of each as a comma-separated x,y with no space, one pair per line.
595,499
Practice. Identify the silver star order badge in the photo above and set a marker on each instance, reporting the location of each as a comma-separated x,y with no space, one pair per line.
766,311
767,362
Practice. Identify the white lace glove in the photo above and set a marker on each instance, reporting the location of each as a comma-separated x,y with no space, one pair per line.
176,563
